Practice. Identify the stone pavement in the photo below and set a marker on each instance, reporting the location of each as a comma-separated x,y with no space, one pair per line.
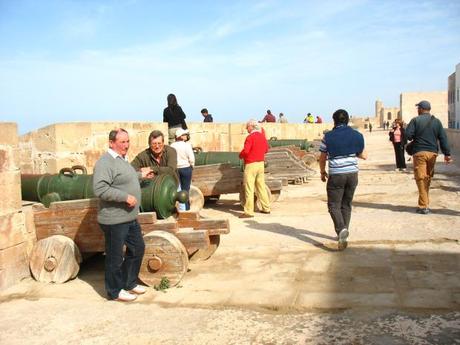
287,263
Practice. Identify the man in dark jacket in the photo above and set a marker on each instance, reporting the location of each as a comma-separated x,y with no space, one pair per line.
341,147
160,157
426,130
206,115
269,117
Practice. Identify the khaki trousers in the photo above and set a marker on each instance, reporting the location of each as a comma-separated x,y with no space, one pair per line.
254,177
172,134
424,163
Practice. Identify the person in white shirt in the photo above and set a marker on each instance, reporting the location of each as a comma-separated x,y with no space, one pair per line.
185,161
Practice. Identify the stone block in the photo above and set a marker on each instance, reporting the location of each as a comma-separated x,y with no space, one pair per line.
68,161
29,224
10,185
9,158
44,164
73,137
210,136
91,157
14,265
103,128
12,230
100,142
9,133
42,140
26,163
147,127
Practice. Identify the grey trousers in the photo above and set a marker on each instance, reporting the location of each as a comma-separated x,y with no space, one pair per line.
340,191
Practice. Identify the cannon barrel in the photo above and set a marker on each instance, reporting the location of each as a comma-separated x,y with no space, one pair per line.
301,143
205,158
158,194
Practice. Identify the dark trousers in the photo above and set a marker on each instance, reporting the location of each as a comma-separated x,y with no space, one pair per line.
340,191
185,177
121,271
399,155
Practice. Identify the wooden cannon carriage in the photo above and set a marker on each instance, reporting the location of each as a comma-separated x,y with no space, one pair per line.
68,229
211,180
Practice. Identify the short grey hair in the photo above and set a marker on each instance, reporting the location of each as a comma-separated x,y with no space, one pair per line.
113,133
253,123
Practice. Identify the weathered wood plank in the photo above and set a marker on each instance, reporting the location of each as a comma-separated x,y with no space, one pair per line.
193,239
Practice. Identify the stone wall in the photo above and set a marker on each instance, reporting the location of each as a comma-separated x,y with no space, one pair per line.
17,233
51,148
438,100
454,140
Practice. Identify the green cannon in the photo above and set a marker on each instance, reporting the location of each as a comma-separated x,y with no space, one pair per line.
205,158
158,194
301,143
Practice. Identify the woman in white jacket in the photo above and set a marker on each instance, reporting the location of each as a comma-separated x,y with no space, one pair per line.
185,161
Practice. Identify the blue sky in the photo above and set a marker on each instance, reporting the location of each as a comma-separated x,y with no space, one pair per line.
81,60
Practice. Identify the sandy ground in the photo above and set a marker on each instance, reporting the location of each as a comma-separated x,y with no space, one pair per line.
279,278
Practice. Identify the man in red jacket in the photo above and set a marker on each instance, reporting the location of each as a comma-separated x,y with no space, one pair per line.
253,154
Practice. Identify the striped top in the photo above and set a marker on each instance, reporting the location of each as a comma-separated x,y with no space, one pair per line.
346,164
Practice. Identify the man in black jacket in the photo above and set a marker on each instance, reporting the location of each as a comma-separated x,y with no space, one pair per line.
206,115
426,130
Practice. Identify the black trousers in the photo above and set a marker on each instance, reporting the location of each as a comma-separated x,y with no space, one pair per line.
340,191
399,155
121,271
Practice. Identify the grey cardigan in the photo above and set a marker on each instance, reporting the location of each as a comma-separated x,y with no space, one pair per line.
113,180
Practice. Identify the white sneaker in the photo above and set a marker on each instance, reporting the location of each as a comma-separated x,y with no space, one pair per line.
343,236
125,296
138,290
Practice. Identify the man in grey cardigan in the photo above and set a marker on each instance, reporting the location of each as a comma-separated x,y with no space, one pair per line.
116,183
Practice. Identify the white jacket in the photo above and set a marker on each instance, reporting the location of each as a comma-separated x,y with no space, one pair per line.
185,155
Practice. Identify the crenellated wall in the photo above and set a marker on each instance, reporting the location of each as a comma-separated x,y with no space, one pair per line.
51,148
17,233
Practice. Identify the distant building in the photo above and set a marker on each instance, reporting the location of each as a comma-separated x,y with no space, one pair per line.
438,100
453,99
384,114
407,109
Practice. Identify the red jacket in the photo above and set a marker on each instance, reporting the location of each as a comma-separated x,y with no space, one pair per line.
255,148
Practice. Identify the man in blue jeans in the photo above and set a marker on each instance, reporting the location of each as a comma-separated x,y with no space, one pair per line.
116,183
341,147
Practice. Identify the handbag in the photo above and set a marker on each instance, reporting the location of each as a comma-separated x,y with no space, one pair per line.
410,146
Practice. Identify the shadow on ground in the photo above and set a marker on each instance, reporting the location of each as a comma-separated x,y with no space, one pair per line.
402,208
307,236
92,272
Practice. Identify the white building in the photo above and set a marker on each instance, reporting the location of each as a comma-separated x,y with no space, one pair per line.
453,93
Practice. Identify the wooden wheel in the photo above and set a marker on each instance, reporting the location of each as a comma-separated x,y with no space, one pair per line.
55,259
204,254
165,256
257,205
196,199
